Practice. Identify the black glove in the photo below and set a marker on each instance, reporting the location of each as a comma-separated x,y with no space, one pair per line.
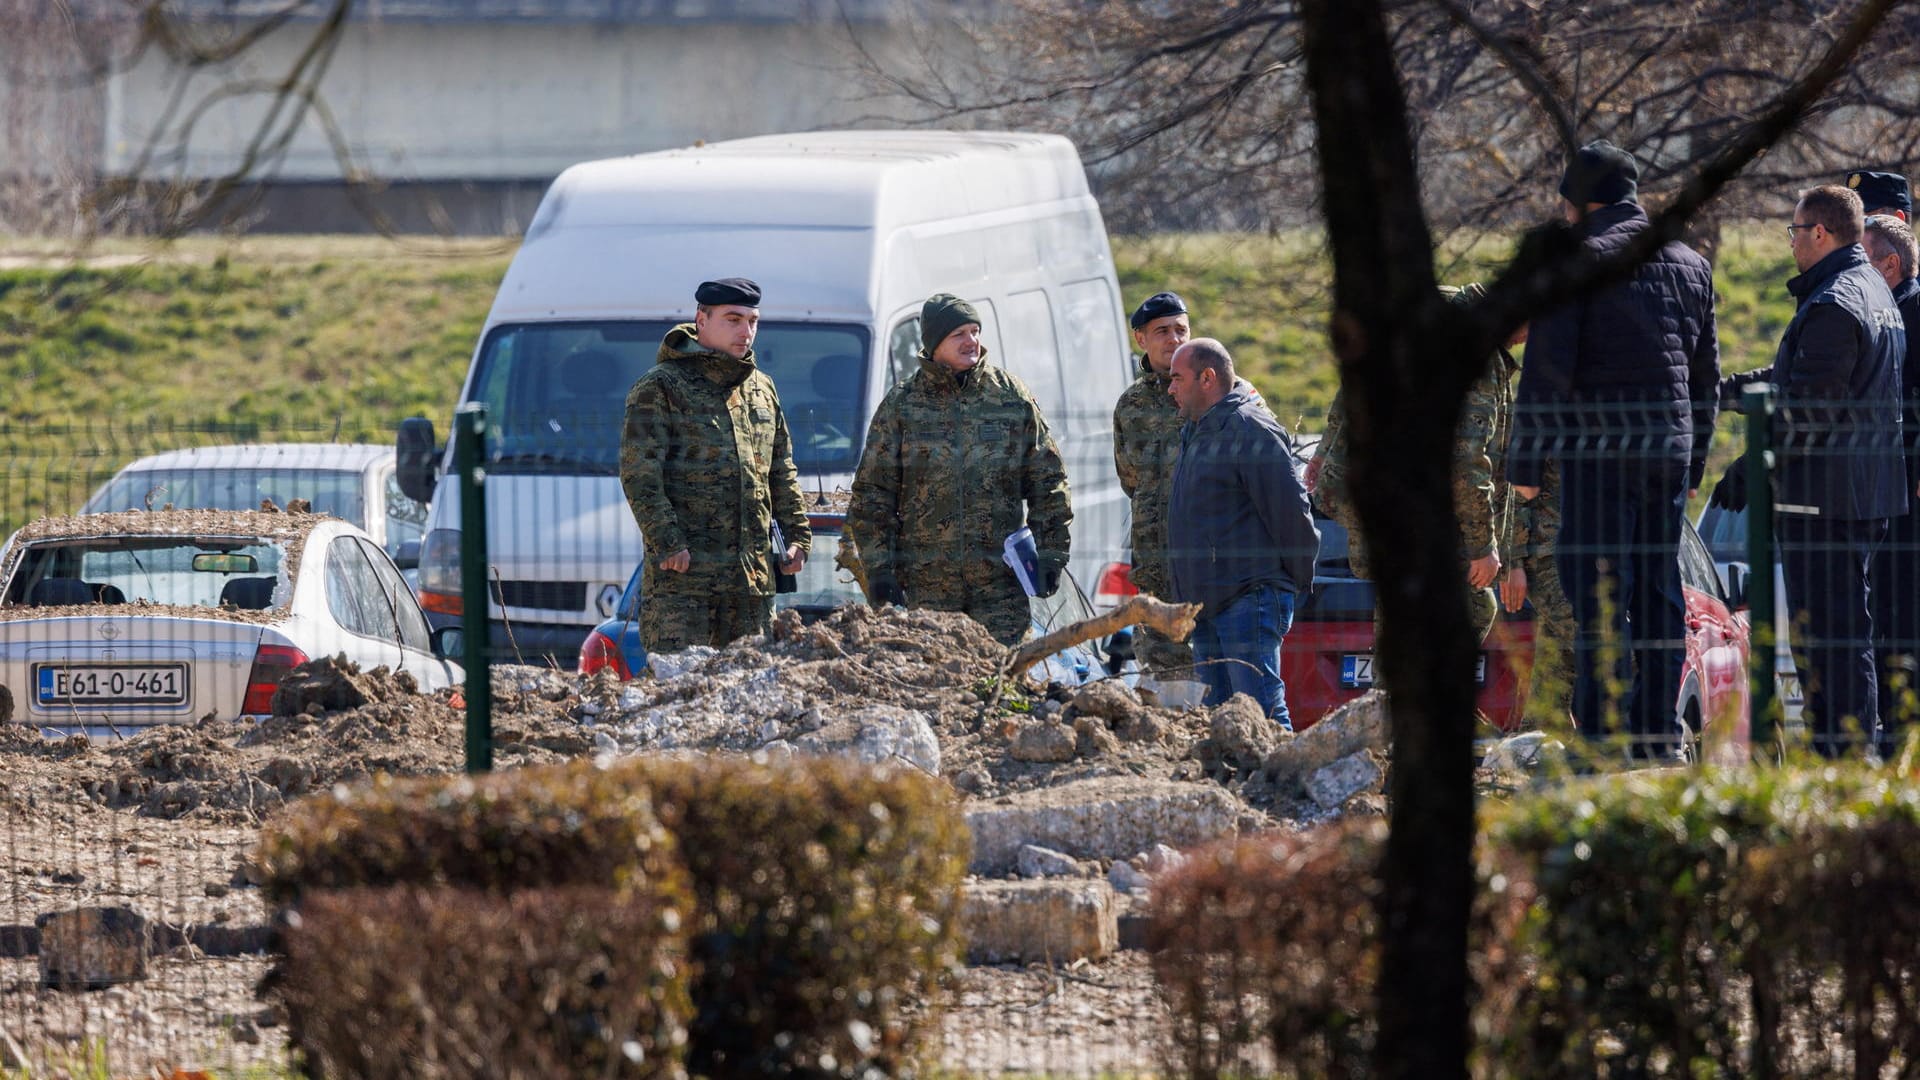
1052,565
884,589
1731,492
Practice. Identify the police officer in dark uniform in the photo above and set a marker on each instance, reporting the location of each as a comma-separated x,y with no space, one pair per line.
1840,476
1882,193
1893,251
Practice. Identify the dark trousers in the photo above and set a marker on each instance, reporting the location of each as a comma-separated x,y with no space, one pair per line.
1895,601
1619,556
1828,567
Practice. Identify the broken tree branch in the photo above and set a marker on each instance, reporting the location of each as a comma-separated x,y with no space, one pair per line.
1173,620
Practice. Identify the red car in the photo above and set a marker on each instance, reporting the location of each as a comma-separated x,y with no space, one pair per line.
1328,655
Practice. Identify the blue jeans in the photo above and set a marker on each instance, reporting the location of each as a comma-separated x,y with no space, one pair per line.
1237,650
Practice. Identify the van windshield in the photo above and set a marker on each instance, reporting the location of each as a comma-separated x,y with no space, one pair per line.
556,393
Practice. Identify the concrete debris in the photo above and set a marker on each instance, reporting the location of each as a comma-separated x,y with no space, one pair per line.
1039,921
1038,862
1092,738
877,734
90,948
1129,878
1044,740
1332,785
1360,724
1101,818
1162,858
1527,752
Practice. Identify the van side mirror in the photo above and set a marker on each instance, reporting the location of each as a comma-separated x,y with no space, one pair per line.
417,465
408,557
1737,575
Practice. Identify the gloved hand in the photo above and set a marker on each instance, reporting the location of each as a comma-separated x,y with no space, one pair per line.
1052,565
884,589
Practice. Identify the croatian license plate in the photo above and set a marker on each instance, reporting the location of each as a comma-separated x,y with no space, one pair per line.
1356,670
110,684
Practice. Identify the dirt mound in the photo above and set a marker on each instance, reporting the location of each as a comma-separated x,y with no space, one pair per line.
334,684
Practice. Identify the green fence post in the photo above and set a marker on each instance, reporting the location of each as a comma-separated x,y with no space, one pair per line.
469,451
1757,403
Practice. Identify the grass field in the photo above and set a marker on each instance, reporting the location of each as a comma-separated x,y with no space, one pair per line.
217,340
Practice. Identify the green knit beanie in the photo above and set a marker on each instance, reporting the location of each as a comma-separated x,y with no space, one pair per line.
942,314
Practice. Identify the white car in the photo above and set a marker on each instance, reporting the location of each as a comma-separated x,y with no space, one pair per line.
352,481
111,623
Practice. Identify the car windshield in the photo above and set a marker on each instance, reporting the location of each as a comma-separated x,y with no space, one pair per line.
556,392
330,491
160,569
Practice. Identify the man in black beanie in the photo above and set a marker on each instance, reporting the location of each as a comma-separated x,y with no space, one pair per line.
1620,387
957,459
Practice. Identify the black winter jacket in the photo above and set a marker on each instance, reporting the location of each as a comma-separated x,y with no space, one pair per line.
1628,373
1838,376
1237,513
1907,296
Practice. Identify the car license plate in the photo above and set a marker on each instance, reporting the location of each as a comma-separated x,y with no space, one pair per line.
110,684
1356,670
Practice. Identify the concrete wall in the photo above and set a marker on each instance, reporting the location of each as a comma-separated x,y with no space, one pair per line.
484,102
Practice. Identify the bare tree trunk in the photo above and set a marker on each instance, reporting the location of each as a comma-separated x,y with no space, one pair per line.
1406,361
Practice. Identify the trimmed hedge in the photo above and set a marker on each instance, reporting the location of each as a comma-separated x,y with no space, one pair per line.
572,824
455,983
824,894
1271,939
1691,923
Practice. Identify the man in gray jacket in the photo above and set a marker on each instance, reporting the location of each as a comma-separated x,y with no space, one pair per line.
1240,536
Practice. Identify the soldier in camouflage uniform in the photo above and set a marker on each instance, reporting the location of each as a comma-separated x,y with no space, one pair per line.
1537,577
957,458
1146,439
707,467
1481,499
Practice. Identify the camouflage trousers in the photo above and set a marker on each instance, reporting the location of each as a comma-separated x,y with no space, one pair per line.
1008,619
981,588
670,622
1549,695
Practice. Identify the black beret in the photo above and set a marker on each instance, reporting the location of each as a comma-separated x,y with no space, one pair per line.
1158,306
1601,172
942,314
728,290
1881,191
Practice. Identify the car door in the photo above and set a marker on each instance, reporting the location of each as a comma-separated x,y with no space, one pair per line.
1716,646
410,624
366,629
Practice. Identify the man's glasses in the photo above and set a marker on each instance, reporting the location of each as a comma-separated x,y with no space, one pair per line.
1791,229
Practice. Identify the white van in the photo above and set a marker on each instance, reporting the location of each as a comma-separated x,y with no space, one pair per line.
846,233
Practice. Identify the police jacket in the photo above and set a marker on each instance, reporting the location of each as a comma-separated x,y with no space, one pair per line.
1627,373
1838,376
1907,296
1237,512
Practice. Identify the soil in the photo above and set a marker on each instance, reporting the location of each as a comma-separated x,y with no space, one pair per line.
162,821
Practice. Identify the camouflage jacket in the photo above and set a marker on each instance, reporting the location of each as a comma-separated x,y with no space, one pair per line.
1482,501
952,466
1146,440
1536,521
706,464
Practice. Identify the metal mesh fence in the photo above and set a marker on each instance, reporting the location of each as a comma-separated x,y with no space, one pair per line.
142,655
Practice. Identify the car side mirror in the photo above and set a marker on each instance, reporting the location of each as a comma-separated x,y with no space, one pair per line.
408,557
450,643
417,459
1737,575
